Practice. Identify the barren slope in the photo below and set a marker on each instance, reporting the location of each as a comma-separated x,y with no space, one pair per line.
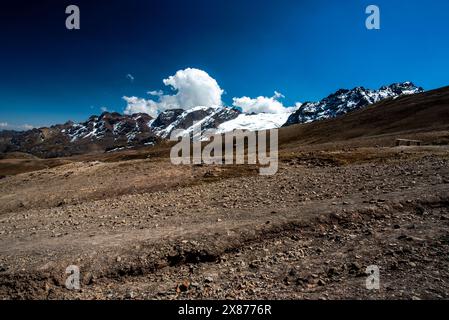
423,116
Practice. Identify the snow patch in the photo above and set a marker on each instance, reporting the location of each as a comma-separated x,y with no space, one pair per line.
254,122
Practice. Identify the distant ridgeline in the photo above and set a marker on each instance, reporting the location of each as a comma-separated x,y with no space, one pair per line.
113,131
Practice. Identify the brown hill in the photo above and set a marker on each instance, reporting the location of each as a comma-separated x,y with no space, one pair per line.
421,116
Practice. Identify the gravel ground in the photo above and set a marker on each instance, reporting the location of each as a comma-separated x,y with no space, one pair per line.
309,232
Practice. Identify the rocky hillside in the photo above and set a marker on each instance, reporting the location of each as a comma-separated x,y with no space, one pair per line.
106,132
344,101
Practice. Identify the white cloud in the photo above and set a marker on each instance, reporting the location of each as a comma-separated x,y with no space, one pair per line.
278,95
156,93
140,105
262,104
193,87
9,126
130,77
104,109
27,126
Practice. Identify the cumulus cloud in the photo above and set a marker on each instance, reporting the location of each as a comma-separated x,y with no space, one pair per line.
192,88
262,104
140,105
3,124
104,109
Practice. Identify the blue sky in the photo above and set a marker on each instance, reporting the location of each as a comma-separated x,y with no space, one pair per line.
303,49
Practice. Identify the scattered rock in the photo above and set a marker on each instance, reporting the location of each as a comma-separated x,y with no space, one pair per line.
184,286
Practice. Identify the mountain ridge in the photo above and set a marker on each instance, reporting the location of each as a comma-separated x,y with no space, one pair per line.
343,101
113,131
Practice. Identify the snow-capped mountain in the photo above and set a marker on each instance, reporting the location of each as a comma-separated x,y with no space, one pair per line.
220,119
129,129
106,132
113,131
187,121
344,101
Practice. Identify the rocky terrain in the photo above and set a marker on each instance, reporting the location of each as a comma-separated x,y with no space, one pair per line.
308,232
